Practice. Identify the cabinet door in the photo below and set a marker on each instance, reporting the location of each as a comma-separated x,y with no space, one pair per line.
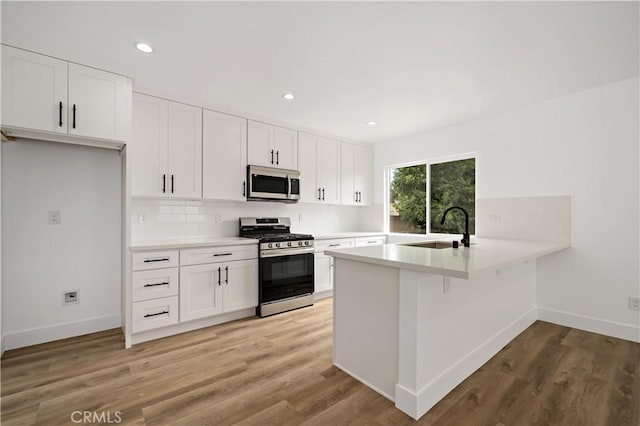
347,183
102,102
33,86
224,156
322,272
285,147
362,174
328,158
185,151
240,285
201,291
259,142
149,147
308,166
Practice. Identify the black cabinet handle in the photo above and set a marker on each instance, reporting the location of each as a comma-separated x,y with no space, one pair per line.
356,195
222,254
322,194
156,284
172,184
226,279
319,197
334,245
277,157
219,276
164,259
60,114
156,314
244,188
271,156
164,184
74,116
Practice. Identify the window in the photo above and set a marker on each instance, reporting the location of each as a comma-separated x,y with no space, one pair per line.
447,183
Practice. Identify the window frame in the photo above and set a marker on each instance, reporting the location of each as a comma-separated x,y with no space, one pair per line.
428,163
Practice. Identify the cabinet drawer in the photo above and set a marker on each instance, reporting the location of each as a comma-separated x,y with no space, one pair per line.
322,245
150,314
218,254
371,241
154,284
154,260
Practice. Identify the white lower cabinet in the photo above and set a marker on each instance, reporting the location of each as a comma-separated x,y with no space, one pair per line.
216,288
376,240
323,264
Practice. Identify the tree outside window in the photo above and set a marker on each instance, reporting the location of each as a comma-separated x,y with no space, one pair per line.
451,183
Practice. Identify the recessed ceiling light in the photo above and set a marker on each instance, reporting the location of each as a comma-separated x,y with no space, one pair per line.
288,96
371,123
144,47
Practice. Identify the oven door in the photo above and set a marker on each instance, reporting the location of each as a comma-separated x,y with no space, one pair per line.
285,276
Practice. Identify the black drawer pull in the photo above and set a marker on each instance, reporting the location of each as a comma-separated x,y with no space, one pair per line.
222,254
155,315
164,259
156,284
334,245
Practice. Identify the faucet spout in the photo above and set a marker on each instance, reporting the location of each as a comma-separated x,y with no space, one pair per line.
466,239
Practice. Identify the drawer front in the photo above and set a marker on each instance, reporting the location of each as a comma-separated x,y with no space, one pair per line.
154,260
153,284
218,254
323,245
150,314
371,241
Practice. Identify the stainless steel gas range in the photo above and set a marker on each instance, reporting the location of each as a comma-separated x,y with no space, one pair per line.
286,279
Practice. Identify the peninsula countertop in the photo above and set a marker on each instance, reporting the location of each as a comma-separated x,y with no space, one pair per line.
485,255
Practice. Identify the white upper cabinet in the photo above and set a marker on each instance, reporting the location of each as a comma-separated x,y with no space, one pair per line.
166,148
272,146
319,169
43,95
185,151
99,103
224,156
356,166
34,91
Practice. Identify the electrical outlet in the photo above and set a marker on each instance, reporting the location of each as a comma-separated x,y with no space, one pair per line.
218,218
54,217
142,217
634,303
69,297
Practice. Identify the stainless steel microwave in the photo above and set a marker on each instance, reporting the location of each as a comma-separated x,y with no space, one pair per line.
271,184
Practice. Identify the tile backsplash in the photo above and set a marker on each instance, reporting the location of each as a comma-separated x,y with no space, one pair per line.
153,219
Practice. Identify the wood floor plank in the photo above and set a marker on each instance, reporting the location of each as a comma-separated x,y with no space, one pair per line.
278,371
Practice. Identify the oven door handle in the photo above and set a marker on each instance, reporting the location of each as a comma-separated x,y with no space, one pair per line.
285,252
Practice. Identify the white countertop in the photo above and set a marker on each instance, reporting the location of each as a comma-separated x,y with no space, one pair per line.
331,235
189,243
484,255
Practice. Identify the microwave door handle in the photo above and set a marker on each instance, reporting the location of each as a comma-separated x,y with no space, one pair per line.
288,186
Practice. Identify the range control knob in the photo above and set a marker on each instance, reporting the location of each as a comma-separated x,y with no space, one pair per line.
299,243
289,244
270,245
277,244
306,243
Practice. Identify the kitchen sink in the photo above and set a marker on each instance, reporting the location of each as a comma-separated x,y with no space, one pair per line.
431,244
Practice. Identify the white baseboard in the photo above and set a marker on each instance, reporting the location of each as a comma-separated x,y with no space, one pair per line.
145,336
319,295
593,325
364,382
417,404
34,336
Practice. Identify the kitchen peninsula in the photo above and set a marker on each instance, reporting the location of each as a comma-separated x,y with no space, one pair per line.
412,322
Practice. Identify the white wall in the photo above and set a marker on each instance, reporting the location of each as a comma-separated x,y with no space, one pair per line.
41,260
584,145
167,219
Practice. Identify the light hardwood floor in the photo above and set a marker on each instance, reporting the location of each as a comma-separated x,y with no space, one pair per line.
278,370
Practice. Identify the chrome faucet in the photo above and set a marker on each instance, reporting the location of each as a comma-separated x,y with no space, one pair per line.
465,237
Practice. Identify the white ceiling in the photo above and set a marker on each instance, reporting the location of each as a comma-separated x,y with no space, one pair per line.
408,66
